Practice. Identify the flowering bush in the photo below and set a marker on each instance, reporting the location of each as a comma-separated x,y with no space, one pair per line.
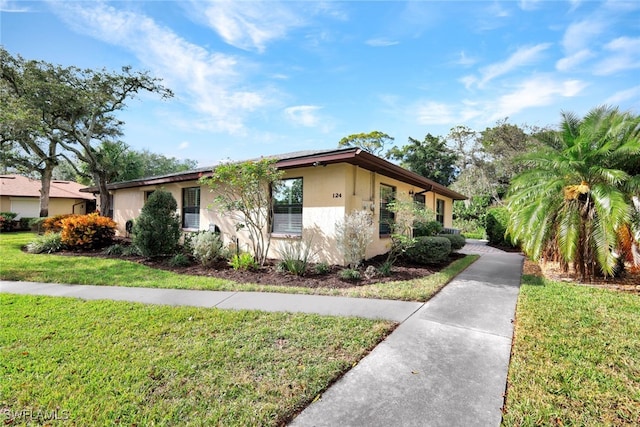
87,231
53,224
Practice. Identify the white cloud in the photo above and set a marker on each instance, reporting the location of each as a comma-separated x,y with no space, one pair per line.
464,60
381,42
632,93
248,25
536,92
529,4
574,4
308,116
523,56
434,113
209,82
569,63
468,81
625,55
580,35
8,6
183,145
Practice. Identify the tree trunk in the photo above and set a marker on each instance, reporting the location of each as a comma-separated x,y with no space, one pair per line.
45,180
105,198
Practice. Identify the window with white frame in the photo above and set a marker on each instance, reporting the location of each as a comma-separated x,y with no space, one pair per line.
287,207
191,208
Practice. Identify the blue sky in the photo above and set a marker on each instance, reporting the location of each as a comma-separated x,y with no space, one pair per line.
258,78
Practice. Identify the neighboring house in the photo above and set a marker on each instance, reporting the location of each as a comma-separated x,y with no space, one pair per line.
21,195
327,186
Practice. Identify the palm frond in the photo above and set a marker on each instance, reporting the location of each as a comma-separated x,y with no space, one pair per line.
567,233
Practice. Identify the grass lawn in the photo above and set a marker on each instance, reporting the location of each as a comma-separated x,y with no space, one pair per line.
576,357
106,363
17,265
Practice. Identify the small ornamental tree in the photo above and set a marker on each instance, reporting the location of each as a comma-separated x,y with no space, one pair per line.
408,215
244,192
156,231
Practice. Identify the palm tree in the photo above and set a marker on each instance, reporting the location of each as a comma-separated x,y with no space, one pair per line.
577,192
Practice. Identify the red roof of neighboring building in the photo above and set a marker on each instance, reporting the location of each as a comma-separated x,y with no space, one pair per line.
21,186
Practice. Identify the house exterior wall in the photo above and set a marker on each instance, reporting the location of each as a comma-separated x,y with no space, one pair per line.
5,204
329,193
57,206
65,206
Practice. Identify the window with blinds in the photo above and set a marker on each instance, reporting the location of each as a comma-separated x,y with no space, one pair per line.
440,211
287,207
387,195
191,207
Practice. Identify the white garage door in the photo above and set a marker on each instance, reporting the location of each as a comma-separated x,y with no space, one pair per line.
25,208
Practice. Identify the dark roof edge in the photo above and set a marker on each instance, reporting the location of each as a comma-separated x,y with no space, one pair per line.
355,156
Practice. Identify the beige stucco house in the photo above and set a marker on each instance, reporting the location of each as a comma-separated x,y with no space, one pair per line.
328,185
21,195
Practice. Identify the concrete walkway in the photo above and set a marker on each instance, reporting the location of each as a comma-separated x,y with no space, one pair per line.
445,365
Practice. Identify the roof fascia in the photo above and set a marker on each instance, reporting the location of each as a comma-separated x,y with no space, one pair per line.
354,156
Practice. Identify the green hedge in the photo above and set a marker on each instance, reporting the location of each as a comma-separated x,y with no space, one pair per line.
429,250
457,240
429,228
497,220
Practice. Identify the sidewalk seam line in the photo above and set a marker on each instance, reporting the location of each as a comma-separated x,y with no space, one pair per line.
227,298
469,329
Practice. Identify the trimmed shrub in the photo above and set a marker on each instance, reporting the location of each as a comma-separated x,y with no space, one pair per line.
428,228
156,231
47,243
90,231
25,223
6,220
36,225
429,250
53,224
497,220
206,247
457,240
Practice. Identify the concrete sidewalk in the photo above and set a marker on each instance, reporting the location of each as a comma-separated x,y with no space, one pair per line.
445,366
397,311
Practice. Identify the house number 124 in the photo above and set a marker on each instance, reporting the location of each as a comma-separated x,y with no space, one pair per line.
337,195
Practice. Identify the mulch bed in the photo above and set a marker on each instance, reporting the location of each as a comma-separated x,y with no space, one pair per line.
269,275
627,282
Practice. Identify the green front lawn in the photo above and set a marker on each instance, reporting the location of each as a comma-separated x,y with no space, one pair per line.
118,363
18,265
576,357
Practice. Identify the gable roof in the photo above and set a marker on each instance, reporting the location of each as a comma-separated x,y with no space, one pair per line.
298,159
21,186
